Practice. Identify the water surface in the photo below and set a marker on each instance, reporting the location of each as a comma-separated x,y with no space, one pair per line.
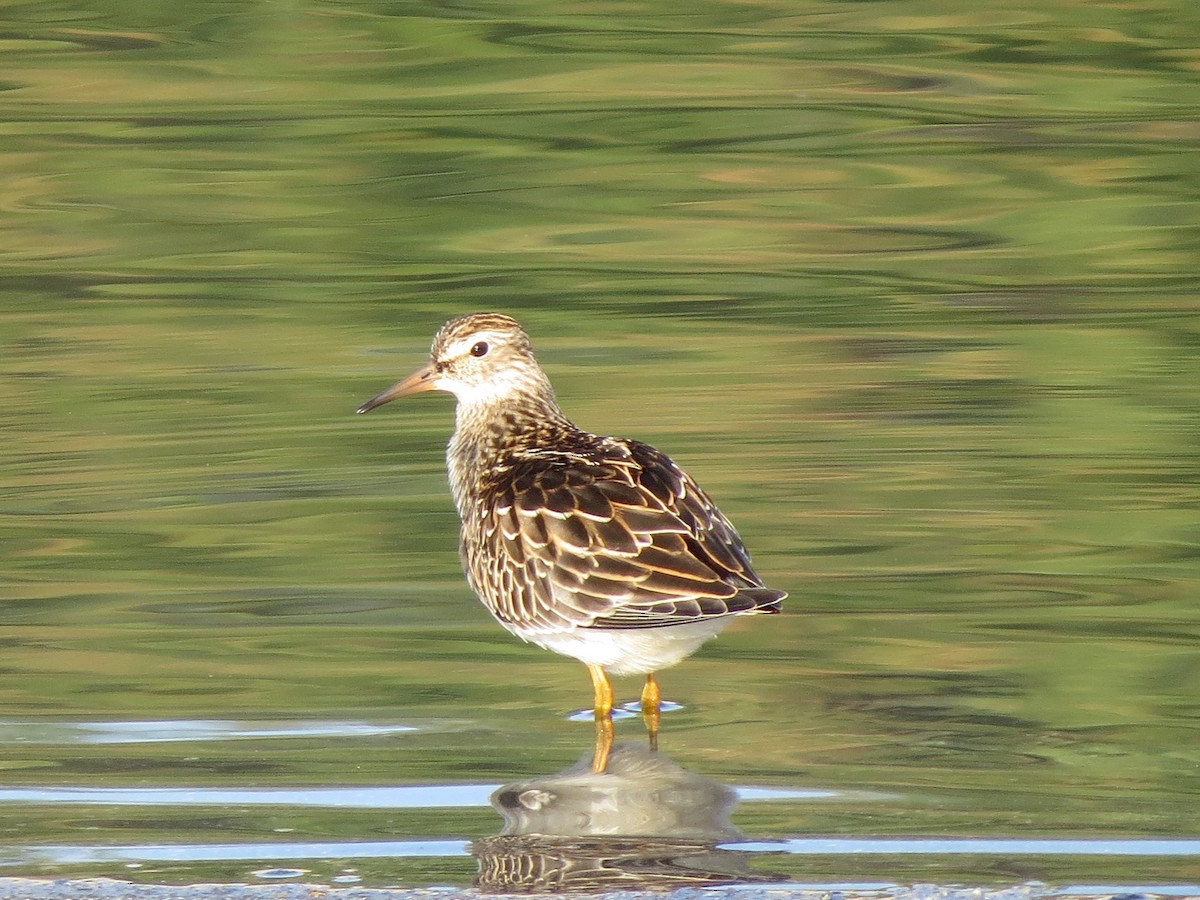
911,292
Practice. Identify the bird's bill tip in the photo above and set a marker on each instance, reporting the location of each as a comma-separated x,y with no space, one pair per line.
419,382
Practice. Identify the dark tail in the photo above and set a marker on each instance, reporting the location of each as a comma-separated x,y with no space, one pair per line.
763,600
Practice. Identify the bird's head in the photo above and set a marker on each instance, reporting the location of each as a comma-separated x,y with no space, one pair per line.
483,359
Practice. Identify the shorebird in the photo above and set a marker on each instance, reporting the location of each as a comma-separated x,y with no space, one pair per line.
599,548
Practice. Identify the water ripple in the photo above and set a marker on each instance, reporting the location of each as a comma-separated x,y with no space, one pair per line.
433,796
74,854
157,732
981,846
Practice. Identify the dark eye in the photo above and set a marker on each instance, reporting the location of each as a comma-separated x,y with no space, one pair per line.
480,349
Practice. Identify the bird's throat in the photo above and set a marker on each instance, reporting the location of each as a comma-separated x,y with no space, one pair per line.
490,439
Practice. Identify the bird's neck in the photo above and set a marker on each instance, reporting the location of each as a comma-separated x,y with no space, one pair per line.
491,437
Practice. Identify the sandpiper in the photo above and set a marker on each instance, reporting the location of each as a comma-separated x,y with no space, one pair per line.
595,547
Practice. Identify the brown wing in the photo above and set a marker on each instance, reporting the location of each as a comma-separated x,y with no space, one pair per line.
616,539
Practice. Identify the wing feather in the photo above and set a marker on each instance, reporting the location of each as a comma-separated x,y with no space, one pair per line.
619,537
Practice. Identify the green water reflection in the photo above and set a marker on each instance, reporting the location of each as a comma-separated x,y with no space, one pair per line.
911,292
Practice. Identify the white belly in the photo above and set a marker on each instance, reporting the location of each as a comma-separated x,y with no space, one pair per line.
632,651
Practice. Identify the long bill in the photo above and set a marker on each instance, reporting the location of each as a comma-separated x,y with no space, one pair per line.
419,382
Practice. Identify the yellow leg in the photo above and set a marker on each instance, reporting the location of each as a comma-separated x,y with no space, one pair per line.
651,709
602,688
651,695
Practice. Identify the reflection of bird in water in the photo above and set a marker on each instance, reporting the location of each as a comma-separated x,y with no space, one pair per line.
644,823
595,547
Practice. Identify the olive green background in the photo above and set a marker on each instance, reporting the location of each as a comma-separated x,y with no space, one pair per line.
909,287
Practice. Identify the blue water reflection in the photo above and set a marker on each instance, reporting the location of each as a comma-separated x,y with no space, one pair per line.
443,796
645,822
64,854
980,846
183,730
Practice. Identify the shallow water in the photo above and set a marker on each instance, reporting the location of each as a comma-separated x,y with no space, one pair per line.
911,293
